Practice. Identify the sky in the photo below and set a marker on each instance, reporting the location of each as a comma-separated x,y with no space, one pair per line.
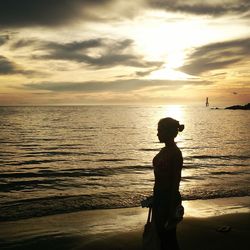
72,52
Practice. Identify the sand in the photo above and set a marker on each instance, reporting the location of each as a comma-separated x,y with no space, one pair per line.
120,229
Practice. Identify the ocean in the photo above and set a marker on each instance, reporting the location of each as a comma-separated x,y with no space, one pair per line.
57,159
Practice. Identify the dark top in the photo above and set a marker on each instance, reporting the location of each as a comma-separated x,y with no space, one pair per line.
167,170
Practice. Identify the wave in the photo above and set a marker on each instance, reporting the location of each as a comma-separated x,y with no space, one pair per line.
228,173
76,172
32,162
114,160
23,209
25,185
202,165
149,149
53,153
222,157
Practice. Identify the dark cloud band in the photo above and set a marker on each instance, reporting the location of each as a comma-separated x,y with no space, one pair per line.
202,7
96,53
217,56
114,86
10,68
23,13
19,13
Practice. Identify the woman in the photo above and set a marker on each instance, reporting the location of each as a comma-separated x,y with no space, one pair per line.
167,170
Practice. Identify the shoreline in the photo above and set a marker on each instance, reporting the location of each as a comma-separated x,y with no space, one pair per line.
6,212
122,228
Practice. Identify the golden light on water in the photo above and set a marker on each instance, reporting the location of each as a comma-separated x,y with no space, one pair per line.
174,111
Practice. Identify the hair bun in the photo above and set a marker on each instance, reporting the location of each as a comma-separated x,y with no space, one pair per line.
181,127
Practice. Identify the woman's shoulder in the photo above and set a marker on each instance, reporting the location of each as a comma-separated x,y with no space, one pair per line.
169,152
174,152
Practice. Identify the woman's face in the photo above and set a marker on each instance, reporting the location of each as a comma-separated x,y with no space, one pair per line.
162,135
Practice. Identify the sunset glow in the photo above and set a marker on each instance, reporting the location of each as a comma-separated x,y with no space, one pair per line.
120,52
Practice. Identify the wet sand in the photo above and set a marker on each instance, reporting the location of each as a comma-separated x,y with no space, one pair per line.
119,229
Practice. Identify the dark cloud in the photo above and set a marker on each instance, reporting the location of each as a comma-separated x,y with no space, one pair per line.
96,53
3,39
23,43
9,68
115,86
36,44
202,7
19,13
50,13
217,56
145,72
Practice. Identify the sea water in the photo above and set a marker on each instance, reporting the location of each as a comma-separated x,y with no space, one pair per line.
56,159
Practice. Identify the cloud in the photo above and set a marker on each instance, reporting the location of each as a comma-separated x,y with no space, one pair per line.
217,56
202,7
97,53
3,39
146,72
113,86
23,43
53,13
16,13
9,68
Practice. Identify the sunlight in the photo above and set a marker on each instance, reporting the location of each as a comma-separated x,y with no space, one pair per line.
174,111
155,42
167,73
175,59
160,41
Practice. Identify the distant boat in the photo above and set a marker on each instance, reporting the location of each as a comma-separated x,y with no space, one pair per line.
207,103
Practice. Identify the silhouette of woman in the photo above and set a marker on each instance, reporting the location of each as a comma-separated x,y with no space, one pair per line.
167,170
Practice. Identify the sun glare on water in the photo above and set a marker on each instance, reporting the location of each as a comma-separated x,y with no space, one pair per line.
174,111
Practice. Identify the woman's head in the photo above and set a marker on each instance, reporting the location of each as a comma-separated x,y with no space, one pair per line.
168,129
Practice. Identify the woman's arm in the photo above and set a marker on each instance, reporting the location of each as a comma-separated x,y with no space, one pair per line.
175,166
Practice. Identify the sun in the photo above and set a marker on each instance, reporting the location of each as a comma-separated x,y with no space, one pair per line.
166,73
159,41
156,42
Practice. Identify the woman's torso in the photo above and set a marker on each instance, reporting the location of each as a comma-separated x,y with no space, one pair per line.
167,169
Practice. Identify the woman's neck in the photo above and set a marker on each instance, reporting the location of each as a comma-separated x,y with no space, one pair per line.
169,142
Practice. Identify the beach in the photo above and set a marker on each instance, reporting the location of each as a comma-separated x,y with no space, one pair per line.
119,229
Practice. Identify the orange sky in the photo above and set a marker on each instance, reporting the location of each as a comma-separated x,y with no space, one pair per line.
124,52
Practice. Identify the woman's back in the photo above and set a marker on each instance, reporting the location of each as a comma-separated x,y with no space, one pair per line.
167,168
